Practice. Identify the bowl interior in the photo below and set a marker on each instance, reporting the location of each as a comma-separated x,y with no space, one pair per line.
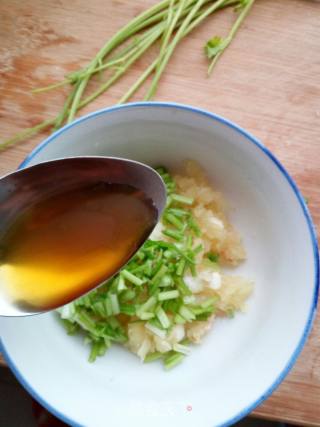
240,359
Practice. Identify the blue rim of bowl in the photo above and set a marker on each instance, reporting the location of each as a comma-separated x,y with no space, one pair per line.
294,188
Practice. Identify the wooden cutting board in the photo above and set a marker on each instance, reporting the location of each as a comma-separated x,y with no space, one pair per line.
268,82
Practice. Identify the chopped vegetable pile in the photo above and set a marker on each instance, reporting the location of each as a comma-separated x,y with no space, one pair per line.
150,304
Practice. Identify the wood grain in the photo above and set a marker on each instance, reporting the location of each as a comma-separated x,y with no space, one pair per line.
268,82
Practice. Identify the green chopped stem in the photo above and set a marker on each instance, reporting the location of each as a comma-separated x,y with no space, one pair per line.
63,114
172,219
164,296
180,213
219,4
127,309
183,288
120,72
51,87
115,304
176,39
151,357
176,235
172,19
182,199
161,333
163,318
119,58
127,295
146,315
244,12
27,133
157,16
160,273
181,267
179,319
138,83
132,278
148,305
181,348
186,313
95,348
123,34
173,360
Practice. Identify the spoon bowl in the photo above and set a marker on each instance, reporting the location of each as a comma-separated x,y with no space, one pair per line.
25,187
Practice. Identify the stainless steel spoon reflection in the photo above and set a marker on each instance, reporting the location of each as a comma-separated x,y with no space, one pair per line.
21,189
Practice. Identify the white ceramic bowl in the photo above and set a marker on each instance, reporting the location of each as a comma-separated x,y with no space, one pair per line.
241,361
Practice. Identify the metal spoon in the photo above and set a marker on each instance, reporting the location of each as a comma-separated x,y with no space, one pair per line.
20,189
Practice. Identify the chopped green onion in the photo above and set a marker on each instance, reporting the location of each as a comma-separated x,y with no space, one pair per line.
102,349
149,304
166,281
150,290
183,288
99,308
189,241
178,212
169,201
153,356
186,313
180,348
108,307
168,254
70,327
176,235
198,249
174,221
173,360
161,333
132,278
128,309
121,284
163,318
113,322
85,321
95,348
114,304
172,305
146,315
197,310
127,295
140,255
181,267
179,319
193,270
163,296
203,316
182,199
148,268
194,226
160,273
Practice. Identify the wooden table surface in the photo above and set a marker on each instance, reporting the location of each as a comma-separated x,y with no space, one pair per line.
268,82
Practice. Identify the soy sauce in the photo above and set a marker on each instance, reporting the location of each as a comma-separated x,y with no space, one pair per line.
69,242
